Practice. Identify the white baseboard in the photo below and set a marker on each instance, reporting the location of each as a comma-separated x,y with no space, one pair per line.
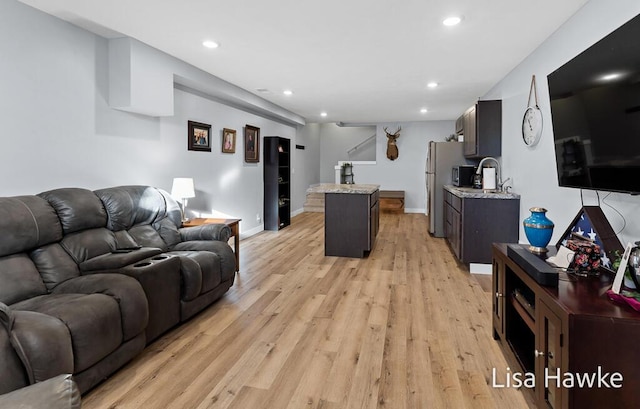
413,210
476,268
297,212
249,233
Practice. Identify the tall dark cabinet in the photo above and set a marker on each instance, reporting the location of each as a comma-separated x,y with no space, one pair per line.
277,182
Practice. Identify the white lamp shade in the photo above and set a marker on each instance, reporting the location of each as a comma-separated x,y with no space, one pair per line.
183,188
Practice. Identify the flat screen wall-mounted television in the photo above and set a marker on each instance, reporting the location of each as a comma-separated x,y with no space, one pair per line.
595,110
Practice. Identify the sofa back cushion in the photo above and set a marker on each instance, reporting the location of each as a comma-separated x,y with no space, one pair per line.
146,236
78,209
19,279
150,215
26,222
54,264
129,206
87,244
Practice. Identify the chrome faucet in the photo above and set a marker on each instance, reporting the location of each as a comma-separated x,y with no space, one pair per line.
499,182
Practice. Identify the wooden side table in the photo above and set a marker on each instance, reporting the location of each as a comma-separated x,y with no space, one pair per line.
234,225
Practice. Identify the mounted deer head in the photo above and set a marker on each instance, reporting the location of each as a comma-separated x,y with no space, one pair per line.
392,148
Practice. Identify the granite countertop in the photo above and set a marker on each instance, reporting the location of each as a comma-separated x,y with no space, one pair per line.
469,192
343,188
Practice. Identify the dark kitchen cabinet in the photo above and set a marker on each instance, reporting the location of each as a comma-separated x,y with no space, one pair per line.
473,223
482,129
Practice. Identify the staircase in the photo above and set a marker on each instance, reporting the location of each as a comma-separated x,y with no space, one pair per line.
314,203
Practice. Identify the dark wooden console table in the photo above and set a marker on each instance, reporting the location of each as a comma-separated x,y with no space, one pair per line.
572,328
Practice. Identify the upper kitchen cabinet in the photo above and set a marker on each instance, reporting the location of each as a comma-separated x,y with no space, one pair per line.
482,129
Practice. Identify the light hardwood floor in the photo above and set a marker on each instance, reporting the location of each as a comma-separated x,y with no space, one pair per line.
407,327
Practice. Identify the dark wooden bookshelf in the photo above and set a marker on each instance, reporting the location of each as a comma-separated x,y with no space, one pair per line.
277,182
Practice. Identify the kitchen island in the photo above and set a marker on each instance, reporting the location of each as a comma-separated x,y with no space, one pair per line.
351,218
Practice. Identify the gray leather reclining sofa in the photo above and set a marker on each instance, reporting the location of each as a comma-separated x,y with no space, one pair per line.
88,278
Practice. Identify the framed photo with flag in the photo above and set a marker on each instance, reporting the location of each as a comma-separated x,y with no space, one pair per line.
591,224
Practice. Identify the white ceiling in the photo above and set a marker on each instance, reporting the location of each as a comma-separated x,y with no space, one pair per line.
361,61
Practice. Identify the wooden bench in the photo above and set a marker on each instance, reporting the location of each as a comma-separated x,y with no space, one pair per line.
392,201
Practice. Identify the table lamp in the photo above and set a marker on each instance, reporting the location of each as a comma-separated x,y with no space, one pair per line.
182,190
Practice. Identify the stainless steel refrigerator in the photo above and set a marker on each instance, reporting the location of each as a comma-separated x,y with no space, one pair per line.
441,157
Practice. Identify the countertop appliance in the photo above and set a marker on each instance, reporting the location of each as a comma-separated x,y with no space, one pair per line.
441,157
462,175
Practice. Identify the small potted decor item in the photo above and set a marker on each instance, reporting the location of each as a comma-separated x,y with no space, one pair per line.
587,255
538,229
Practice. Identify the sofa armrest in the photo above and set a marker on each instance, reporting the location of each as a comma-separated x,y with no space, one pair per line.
160,280
134,309
219,232
60,392
41,342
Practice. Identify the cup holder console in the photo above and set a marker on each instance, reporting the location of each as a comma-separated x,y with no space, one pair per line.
152,260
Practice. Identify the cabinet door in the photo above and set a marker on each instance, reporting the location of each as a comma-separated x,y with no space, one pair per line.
548,357
374,223
470,142
498,287
448,231
456,233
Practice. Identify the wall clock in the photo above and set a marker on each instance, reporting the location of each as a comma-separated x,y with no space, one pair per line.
532,119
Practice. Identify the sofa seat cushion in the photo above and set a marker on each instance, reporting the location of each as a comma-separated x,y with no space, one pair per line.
93,321
199,272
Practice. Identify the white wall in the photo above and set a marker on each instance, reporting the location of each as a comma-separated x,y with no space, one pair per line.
57,130
306,164
533,170
336,141
407,172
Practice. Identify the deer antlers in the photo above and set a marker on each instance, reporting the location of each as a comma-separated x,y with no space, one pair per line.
395,135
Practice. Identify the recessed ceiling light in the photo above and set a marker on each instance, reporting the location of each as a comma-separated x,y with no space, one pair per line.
423,111
432,84
287,92
323,114
451,21
210,44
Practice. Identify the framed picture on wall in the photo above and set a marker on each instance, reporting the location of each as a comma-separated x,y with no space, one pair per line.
199,136
228,140
251,144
